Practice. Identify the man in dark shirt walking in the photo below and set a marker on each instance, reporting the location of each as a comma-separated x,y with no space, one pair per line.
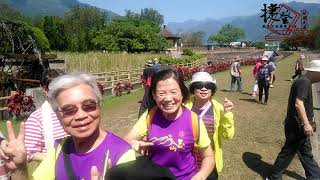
298,127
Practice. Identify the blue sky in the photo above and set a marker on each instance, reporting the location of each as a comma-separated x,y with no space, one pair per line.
182,10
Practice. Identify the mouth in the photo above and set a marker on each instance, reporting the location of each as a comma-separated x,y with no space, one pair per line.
167,106
82,126
203,94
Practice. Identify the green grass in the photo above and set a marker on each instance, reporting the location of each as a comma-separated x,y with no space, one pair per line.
111,102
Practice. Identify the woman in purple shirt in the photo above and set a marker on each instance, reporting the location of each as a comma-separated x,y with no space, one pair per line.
169,133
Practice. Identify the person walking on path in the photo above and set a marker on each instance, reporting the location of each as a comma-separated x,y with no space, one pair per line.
299,67
217,117
255,74
298,127
236,73
264,78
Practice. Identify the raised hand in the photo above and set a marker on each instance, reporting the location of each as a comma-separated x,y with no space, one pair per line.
13,151
228,105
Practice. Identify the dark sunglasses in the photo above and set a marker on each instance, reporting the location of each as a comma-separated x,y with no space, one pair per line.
88,105
200,85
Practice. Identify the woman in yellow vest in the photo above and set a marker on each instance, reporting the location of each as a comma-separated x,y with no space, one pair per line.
217,118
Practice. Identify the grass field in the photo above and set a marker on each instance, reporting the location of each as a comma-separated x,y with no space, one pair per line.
102,62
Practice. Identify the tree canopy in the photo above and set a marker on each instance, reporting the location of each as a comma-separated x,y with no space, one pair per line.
227,34
192,38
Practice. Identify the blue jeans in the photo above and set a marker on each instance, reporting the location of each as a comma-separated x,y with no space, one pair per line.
235,79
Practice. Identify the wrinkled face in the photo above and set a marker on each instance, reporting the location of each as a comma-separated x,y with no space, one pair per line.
168,96
79,111
202,92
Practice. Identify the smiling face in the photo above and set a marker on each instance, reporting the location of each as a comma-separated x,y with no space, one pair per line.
85,118
168,97
202,93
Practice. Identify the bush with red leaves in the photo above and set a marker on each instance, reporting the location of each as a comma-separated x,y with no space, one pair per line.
100,86
122,87
20,104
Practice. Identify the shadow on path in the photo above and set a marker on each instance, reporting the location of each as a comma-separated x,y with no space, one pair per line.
250,100
254,162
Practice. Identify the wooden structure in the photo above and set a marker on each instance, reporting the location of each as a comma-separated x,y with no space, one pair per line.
164,32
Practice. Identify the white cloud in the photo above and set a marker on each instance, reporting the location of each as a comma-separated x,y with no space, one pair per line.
305,1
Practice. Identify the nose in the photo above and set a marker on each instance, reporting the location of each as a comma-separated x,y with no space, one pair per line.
81,114
167,98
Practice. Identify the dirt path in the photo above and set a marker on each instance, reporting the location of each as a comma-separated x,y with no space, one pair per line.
121,118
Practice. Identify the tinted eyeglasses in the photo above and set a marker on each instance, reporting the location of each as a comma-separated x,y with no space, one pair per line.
200,85
88,105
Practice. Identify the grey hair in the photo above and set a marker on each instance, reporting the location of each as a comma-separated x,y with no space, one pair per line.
68,81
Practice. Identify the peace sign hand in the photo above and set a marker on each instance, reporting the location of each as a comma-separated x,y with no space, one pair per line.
14,151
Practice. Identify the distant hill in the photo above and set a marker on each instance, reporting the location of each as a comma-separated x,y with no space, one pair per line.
252,25
49,7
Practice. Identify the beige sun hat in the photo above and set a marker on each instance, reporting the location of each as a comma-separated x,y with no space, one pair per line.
203,77
265,58
314,66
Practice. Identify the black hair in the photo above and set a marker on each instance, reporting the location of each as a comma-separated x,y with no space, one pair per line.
212,87
48,76
167,73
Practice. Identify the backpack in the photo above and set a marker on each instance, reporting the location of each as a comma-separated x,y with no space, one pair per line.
194,118
263,73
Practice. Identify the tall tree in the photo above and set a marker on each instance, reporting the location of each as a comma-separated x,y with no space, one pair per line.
53,28
227,34
127,34
81,22
147,14
192,38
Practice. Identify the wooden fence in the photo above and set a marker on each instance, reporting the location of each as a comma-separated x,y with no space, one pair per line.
109,79
3,106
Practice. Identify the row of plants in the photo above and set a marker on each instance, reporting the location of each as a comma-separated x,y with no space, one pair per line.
187,72
97,61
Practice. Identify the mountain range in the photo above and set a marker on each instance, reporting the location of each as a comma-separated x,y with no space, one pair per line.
252,25
49,7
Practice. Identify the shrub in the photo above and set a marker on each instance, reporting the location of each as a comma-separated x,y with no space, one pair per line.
188,52
41,40
20,104
122,87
